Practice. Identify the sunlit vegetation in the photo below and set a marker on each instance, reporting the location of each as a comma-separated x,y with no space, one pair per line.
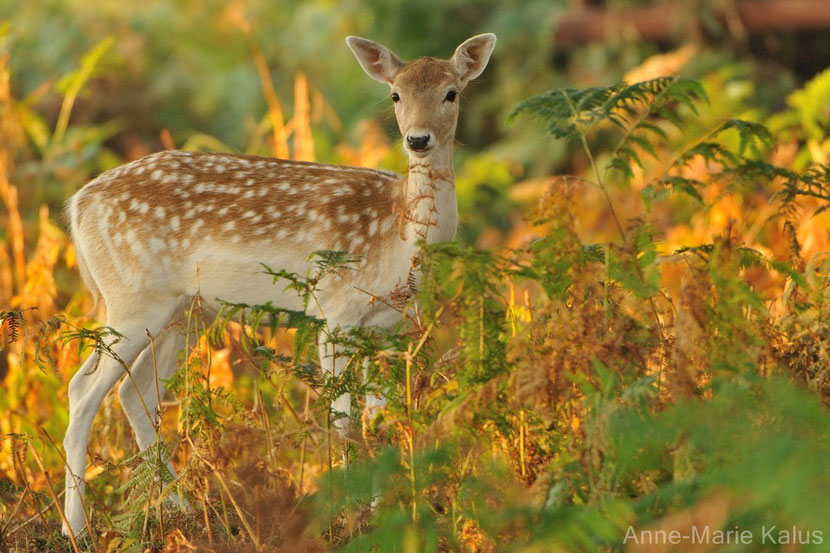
630,332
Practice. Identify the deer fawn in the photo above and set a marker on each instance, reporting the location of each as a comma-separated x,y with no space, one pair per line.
144,229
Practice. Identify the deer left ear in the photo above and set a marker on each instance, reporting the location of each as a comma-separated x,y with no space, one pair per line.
471,58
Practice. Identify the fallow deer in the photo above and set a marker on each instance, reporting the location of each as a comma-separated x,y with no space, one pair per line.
151,234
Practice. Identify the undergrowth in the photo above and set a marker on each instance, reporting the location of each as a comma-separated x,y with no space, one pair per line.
552,397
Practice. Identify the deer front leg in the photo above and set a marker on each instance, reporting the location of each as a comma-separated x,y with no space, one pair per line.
333,360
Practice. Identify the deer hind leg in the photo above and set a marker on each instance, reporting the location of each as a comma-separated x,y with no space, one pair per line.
137,392
88,387
140,397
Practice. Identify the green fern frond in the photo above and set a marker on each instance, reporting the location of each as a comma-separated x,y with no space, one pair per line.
329,261
810,103
637,109
15,322
564,108
752,135
148,484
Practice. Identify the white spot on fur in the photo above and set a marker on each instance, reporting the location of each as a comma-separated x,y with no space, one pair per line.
230,225
174,223
157,245
136,249
159,212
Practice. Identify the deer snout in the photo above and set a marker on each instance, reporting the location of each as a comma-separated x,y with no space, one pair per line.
419,142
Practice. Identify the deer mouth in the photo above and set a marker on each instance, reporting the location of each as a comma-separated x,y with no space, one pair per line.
419,152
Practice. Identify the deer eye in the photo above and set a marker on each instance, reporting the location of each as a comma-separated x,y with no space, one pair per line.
451,96
396,97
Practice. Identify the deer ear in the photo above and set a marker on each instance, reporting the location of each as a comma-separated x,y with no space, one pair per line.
471,58
377,61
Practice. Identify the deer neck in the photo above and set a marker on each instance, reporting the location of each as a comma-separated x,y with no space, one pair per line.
431,208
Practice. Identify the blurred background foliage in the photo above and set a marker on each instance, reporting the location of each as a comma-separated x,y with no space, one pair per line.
579,416
190,69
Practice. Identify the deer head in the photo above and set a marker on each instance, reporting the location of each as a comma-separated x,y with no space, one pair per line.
425,91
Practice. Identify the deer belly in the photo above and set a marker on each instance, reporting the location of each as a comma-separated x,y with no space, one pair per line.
222,277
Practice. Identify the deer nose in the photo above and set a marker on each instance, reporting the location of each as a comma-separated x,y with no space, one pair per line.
418,142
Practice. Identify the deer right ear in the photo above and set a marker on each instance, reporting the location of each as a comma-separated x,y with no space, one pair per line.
377,61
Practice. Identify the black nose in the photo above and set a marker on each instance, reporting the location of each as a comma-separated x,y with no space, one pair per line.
417,142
